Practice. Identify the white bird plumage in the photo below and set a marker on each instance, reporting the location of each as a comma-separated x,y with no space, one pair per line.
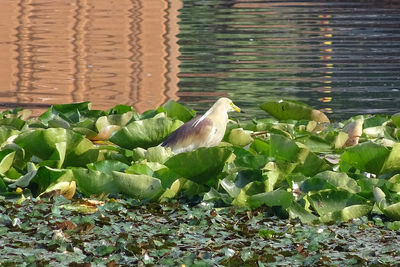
202,131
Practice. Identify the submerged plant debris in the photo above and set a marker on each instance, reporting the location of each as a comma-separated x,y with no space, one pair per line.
295,188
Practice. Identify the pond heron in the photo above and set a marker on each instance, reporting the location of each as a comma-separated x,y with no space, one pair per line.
202,131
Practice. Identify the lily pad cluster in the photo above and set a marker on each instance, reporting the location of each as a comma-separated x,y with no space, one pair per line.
297,162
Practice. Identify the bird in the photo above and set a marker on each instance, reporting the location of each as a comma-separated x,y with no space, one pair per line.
202,131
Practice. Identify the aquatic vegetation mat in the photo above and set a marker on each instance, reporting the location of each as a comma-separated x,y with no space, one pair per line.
292,167
62,232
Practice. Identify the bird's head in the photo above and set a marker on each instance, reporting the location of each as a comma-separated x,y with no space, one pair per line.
227,105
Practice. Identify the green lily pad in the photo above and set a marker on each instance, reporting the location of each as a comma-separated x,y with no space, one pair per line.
394,183
393,211
93,182
250,189
12,123
64,146
240,137
336,179
297,211
247,160
138,186
69,113
177,111
253,195
229,185
145,133
283,148
348,213
367,156
396,119
309,163
278,197
158,154
5,133
201,165
260,147
293,110
328,201
314,143
107,166
114,119
46,177
6,160
392,163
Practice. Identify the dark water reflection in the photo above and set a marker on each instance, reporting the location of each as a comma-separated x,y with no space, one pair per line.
339,56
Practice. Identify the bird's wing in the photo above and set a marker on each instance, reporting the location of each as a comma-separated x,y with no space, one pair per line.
190,135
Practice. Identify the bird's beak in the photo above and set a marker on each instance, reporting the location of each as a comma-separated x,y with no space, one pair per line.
236,108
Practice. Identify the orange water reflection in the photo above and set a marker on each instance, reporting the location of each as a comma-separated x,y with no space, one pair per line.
106,52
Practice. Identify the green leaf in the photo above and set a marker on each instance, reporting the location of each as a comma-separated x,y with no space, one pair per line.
24,180
3,187
115,119
260,147
380,198
201,165
5,133
12,123
138,186
278,197
336,179
314,143
92,182
292,110
394,183
394,226
309,163
166,176
229,185
393,211
247,160
367,156
250,189
158,154
283,148
6,160
46,177
240,137
177,111
396,119
297,211
69,113
104,250
328,201
214,195
57,144
107,166
120,109
141,168
145,133
348,213
392,163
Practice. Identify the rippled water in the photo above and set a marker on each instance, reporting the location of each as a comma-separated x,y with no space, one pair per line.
339,56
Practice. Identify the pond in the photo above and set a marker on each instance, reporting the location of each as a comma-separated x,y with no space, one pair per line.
340,56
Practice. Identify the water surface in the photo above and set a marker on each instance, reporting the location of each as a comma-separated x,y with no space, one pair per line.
339,56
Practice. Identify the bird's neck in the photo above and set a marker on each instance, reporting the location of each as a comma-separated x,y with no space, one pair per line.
219,115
